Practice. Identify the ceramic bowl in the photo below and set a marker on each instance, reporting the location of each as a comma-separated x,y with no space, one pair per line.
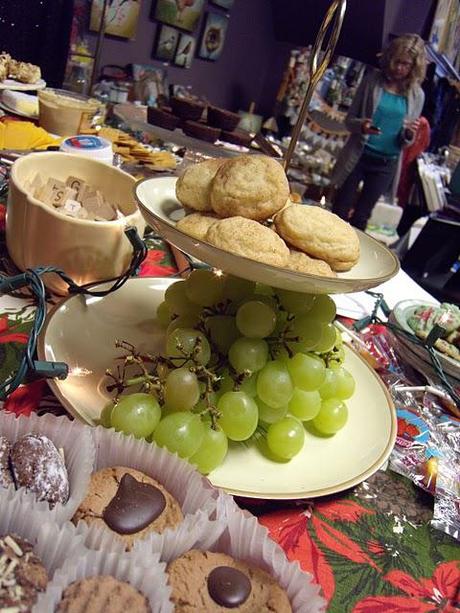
39,235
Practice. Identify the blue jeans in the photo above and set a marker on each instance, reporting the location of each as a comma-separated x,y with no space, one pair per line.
377,174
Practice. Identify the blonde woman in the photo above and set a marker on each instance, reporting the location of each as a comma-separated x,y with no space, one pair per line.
383,119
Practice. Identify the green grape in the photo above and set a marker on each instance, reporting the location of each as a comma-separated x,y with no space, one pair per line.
262,446
304,405
345,383
204,287
212,451
286,437
164,314
181,389
309,332
323,309
274,385
181,433
295,302
328,338
105,418
238,415
307,371
338,338
329,387
255,319
136,414
249,385
165,410
182,321
236,289
264,290
177,300
248,354
222,331
270,415
332,416
188,339
270,301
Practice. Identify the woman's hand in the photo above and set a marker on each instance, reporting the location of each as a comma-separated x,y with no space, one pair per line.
368,128
412,125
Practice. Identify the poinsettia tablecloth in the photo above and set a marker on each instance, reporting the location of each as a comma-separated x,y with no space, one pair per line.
371,549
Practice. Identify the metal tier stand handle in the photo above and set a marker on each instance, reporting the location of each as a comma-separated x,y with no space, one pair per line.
335,12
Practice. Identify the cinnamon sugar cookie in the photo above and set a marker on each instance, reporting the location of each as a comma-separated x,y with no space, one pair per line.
320,234
252,186
250,239
196,225
301,262
193,186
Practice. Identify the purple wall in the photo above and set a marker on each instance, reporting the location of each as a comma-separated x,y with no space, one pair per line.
404,17
259,38
233,81
366,26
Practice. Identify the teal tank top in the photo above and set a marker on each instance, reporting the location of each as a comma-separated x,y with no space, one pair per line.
389,117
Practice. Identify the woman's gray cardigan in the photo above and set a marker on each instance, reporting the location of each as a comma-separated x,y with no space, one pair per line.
365,103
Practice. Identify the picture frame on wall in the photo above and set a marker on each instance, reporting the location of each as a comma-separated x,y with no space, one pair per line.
121,17
224,4
166,43
182,14
185,51
213,36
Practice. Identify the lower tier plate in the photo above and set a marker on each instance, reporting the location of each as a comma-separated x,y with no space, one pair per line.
82,331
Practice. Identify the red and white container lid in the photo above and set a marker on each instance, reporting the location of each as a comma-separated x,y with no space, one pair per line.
90,146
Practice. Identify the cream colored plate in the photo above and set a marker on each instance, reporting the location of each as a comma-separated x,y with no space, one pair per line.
22,87
82,331
160,208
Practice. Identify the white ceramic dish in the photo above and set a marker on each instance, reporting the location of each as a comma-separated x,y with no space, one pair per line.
22,87
9,109
160,208
82,332
399,316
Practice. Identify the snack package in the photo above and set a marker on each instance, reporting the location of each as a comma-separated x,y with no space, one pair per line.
427,451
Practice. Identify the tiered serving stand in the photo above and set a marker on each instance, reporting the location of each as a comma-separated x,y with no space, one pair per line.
82,331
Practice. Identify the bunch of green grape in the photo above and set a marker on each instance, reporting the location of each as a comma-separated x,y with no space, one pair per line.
242,362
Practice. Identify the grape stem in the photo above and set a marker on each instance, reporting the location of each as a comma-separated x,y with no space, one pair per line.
153,379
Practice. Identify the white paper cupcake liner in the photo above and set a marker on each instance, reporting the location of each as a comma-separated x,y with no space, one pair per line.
52,544
151,581
243,538
75,440
196,498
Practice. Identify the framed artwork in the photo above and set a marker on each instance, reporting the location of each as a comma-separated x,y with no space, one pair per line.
185,51
121,17
166,43
225,4
213,37
183,14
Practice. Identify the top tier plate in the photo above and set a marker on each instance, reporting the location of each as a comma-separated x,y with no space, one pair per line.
22,87
161,209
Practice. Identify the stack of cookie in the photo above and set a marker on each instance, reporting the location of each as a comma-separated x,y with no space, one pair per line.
242,205
19,71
